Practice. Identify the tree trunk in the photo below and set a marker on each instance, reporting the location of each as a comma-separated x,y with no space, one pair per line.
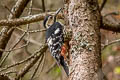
85,19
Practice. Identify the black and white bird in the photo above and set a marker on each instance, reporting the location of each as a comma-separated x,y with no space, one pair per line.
55,40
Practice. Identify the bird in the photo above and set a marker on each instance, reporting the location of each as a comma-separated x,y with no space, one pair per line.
55,40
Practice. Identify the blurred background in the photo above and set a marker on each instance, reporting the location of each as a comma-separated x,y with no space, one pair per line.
49,70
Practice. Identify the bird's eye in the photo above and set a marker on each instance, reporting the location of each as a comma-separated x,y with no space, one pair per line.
50,17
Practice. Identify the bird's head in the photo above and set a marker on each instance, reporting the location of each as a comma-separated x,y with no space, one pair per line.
50,19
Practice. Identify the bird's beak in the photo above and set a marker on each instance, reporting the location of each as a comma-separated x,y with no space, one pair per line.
57,12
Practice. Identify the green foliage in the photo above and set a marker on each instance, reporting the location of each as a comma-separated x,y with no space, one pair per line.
117,70
56,71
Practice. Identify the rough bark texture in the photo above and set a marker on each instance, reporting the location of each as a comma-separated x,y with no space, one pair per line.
85,20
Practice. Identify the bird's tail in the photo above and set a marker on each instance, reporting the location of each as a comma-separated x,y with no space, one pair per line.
64,65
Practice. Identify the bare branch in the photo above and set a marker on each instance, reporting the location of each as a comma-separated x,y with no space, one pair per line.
30,40
110,43
107,24
110,25
9,72
17,11
38,65
3,60
8,9
22,72
53,65
25,20
43,5
4,77
35,9
27,59
103,4
31,31
112,13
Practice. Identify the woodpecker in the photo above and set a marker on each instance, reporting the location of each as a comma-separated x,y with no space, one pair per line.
55,40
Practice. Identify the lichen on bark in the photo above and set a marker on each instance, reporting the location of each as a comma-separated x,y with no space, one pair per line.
85,20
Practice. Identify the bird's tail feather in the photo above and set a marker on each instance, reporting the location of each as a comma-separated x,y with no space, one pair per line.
66,69
64,65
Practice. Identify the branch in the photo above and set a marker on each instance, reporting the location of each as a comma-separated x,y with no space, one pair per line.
103,4
22,72
23,61
4,77
27,42
7,54
51,67
37,67
107,23
25,20
110,25
32,60
110,43
17,11
43,5
13,71
5,6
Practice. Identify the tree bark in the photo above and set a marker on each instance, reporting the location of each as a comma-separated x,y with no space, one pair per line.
85,20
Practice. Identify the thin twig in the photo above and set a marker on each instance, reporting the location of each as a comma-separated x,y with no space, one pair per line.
103,4
29,13
43,5
26,20
110,43
38,65
30,41
42,66
53,65
30,9
32,31
3,60
16,48
22,72
9,72
36,9
5,77
5,6
18,63
17,10
107,24
112,13
7,54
